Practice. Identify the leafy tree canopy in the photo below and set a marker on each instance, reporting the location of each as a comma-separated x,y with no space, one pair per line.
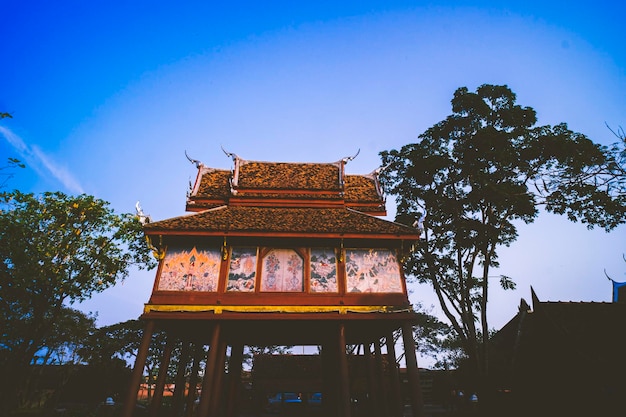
470,177
56,250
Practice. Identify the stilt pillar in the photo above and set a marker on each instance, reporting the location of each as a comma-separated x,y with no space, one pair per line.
234,378
193,380
330,383
135,378
380,375
373,397
395,395
207,383
157,399
179,381
218,376
417,402
344,377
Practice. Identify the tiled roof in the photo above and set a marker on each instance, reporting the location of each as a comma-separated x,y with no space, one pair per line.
287,176
361,188
242,220
284,184
590,331
214,184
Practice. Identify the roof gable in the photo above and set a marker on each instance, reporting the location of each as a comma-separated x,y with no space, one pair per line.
276,184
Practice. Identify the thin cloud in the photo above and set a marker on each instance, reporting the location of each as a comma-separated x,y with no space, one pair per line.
43,165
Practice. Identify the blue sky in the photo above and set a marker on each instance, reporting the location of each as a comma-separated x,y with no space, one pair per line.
106,97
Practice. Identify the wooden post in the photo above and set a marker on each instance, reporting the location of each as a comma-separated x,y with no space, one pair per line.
218,376
179,382
380,375
417,402
234,378
157,399
395,395
373,404
135,379
193,379
330,364
344,377
209,372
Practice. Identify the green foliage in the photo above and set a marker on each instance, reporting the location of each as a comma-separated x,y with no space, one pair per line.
470,177
121,341
435,339
56,250
6,171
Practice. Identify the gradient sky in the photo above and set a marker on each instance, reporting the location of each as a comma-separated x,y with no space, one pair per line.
106,97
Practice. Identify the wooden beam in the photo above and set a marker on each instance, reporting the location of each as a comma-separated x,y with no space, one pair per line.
179,381
209,372
395,394
135,378
157,398
417,401
234,378
344,376
218,376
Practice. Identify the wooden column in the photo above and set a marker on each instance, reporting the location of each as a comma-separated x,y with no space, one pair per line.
234,378
417,402
179,381
193,379
395,395
209,372
218,377
330,383
344,376
135,379
157,399
380,378
373,403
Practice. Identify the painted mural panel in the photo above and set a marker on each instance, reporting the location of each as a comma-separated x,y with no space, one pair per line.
242,270
372,270
283,270
190,270
323,270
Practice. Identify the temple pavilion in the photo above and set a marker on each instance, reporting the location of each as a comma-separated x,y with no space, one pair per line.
274,253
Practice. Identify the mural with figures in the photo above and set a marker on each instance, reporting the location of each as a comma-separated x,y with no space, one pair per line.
190,270
323,270
283,270
242,270
372,270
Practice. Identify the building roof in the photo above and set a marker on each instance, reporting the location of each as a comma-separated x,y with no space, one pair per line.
284,221
285,184
570,334
284,199
287,176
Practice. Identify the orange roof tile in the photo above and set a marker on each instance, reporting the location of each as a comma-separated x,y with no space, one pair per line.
287,176
242,221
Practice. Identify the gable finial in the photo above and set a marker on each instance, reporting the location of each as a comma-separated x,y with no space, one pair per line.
197,163
229,154
350,158
143,218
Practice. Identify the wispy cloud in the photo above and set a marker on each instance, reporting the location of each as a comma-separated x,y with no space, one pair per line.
43,165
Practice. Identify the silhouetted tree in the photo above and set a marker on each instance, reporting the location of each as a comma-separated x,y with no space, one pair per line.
471,176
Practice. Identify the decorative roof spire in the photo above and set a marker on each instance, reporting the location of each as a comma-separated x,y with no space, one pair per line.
350,158
197,163
230,154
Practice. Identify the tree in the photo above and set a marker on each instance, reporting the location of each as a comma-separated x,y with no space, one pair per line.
467,181
6,171
55,250
121,341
